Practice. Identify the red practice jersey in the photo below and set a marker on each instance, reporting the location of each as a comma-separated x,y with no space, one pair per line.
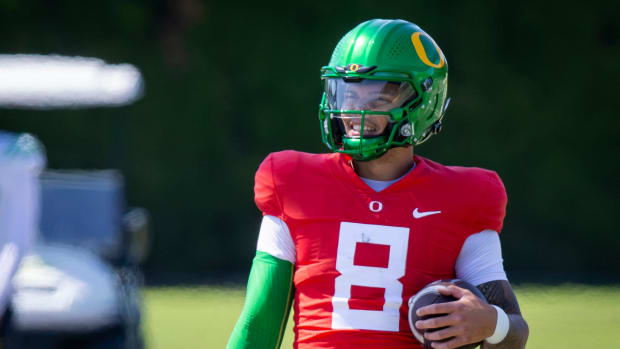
361,254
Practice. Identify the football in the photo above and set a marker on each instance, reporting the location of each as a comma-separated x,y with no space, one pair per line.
429,294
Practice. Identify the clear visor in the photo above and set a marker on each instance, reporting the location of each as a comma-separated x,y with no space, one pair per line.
364,106
366,94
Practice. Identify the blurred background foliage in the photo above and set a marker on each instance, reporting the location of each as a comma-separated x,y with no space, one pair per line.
533,87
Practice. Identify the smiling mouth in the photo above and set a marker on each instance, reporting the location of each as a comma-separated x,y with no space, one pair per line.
354,129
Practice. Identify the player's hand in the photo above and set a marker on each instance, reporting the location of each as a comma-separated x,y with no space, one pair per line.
469,319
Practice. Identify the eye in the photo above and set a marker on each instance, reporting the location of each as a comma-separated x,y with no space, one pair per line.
379,102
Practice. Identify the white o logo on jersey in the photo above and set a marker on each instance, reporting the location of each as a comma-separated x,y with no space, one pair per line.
375,206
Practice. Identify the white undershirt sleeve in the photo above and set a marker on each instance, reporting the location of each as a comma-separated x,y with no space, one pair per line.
275,239
480,259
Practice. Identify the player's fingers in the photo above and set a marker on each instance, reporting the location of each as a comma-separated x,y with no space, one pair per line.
442,334
455,342
454,291
440,321
439,308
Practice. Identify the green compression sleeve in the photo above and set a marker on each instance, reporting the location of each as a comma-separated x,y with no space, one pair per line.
268,301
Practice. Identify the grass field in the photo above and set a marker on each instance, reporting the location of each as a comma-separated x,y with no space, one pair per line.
570,316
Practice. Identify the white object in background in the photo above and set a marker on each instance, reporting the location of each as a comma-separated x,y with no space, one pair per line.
21,160
64,288
53,81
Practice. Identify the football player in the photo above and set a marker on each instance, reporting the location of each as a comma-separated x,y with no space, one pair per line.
348,237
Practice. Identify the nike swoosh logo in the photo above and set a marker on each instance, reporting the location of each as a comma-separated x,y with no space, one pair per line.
417,214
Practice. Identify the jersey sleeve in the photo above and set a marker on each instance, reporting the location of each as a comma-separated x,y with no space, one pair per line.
491,205
265,191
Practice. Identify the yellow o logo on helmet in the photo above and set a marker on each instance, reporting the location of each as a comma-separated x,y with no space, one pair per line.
354,67
419,49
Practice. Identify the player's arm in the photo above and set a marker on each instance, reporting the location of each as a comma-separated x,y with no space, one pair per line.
267,304
470,319
500,293
270,285
270,289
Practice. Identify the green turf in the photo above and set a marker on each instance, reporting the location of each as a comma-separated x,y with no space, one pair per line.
570,316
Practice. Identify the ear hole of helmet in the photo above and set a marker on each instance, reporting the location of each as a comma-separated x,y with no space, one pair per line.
427,84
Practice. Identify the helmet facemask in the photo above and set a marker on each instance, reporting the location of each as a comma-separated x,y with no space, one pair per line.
366,117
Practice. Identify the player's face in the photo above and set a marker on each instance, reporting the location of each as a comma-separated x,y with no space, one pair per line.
368,95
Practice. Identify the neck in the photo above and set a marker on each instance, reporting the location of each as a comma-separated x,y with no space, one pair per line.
391,165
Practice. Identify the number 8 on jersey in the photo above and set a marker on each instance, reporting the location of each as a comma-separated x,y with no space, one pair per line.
370,259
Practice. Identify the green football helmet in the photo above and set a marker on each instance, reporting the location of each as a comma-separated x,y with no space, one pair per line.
385,86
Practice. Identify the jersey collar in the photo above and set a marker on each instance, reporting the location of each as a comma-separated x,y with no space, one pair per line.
343,169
